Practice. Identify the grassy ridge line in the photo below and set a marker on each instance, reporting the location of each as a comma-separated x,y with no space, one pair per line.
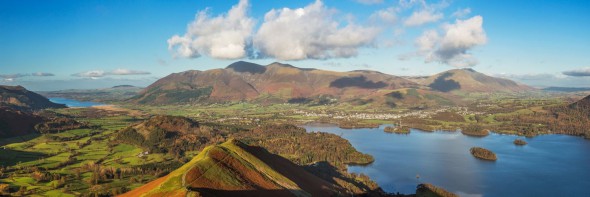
176,178
264,169
204,172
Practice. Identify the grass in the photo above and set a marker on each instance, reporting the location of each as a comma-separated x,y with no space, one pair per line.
57,193
216,173
42,151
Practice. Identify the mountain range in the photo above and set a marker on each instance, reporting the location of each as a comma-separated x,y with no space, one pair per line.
277,82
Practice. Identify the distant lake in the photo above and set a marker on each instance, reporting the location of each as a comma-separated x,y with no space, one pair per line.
550,165
74,103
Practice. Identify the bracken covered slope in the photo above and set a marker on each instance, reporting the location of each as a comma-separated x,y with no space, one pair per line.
274,82
18,97
469,80
16,123
235,169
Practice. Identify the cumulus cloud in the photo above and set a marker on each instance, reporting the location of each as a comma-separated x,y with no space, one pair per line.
94,74
388,15
42,74
451,45
310,32
128,72
369,2
527,77
90,74
13,76
410,3
462,13
222,37
422,17
584,72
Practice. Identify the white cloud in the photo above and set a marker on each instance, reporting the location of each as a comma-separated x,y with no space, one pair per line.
409,3
388,15
451,47
90,74
547,79
310,32
527,77
128,72
583,72
369,2
42,74
462,13
221,37
427,41
13,76
422,17
95,74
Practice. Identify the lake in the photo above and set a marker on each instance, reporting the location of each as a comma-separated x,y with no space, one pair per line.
74,103
550,165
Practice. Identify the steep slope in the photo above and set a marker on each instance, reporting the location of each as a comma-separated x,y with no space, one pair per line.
235,169
167,133
18,97
16,123
582,104
274,82
469,80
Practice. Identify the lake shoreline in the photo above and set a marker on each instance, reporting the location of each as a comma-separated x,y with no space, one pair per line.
440,156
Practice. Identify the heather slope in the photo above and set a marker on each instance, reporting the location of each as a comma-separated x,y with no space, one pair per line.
18,97
274,82
235,168
16,123
469,80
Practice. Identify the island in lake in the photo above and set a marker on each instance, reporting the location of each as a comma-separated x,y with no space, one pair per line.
474,130
520,142
482,153
396,130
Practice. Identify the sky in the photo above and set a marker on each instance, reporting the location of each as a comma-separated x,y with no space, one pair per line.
72,44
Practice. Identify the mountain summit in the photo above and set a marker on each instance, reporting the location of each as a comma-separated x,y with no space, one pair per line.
236,169
469,80
277,82
274,82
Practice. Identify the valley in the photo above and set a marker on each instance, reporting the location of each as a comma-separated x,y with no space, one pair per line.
316,98
149,141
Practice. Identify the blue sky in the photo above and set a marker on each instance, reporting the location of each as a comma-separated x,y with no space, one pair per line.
48,45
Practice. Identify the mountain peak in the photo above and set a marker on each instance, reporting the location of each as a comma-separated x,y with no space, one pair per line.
244,168
249,67
279,64
582,103
469,80
469,69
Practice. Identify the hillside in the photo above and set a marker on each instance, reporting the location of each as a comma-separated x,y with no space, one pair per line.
582,104
17,97
469,80
167,133
275,82
16,123
233,168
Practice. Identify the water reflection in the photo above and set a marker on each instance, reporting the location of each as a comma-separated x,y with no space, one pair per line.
550,165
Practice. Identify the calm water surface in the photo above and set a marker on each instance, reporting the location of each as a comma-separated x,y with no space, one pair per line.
74,103
550,165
